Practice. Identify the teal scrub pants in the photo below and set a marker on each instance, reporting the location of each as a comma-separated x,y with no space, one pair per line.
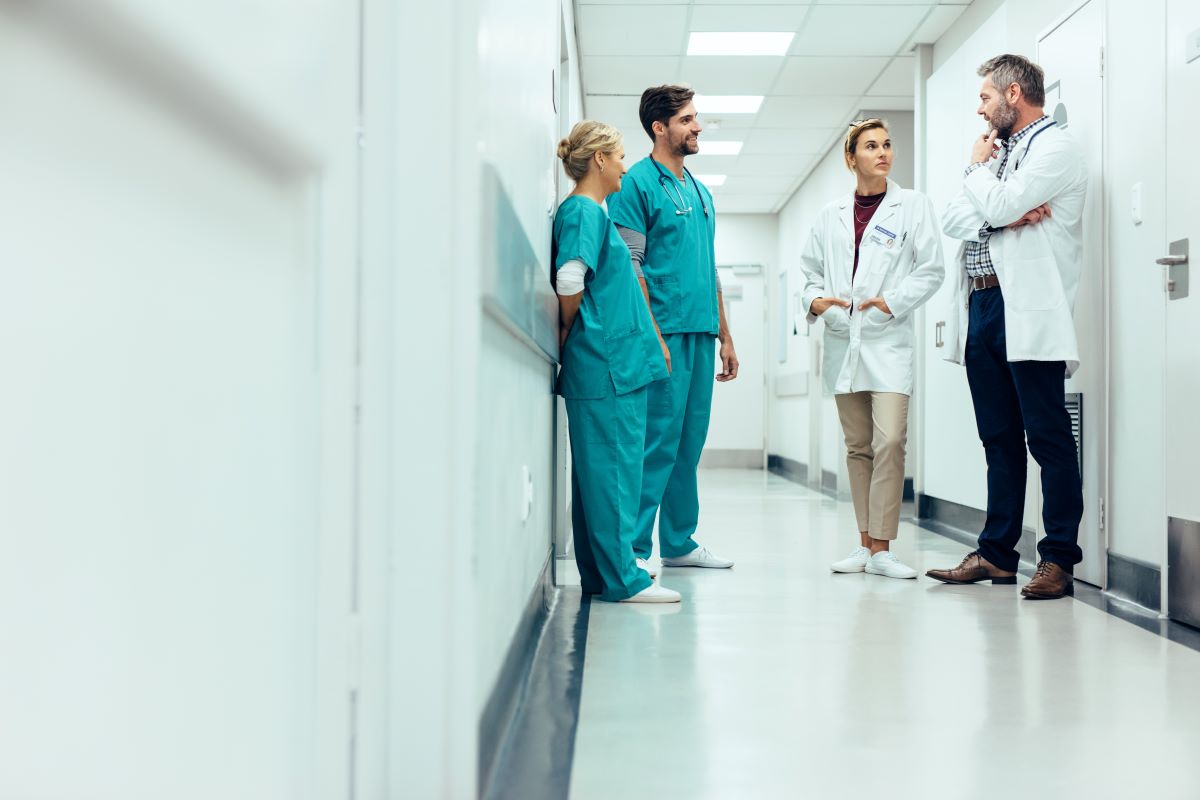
608,439
676,427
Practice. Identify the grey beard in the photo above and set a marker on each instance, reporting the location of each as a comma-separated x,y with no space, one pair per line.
1006,117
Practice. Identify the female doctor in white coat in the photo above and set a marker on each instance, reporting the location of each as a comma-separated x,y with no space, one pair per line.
873,258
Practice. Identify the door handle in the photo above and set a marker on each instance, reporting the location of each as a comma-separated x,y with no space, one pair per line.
938,341
1171,261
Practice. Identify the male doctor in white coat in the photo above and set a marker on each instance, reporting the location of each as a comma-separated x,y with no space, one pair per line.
1020,218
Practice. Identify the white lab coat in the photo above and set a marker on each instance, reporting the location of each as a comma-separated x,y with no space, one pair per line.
1038,266
900,259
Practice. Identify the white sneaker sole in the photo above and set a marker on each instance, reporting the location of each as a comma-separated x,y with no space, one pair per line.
667,596
670,562
846,570
870,571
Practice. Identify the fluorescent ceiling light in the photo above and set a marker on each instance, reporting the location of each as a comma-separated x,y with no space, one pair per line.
728,103
711,180
709,148
739,44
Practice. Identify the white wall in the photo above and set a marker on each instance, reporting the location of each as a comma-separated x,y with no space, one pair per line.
518,132
178,495
738,414
1137,362
954,465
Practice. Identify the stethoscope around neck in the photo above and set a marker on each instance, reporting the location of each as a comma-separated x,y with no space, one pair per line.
665,179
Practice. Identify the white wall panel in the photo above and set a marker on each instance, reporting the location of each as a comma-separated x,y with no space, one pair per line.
738,411
166,514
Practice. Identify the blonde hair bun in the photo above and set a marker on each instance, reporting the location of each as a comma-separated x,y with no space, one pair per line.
587,138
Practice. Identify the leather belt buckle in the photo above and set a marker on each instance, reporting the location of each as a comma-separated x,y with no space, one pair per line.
984,282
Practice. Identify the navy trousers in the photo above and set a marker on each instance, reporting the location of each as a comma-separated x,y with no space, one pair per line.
1018,402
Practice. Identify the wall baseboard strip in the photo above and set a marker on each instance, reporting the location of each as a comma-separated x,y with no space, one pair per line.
794,471
829,483
963,524
538,750
731,459
504,701
1135,581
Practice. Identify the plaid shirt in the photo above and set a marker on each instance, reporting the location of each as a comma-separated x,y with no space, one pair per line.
977,257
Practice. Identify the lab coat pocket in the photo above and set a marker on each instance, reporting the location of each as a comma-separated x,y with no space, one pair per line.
627,362
666,300
875,322
1032,284
836,320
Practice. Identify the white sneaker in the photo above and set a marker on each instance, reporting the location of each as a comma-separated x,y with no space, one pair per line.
654,594
700,557
885,563
644,564
853,562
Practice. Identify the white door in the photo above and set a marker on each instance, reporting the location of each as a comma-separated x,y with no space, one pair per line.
739,406
1183,312
1071,53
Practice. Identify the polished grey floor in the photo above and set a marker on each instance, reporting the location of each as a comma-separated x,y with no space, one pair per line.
779,680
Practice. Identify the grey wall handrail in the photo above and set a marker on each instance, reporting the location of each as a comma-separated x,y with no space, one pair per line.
516,285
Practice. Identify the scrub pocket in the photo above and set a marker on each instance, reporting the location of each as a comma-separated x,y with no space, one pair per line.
627,362
666,300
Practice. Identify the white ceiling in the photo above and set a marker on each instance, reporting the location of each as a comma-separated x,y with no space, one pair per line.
847,55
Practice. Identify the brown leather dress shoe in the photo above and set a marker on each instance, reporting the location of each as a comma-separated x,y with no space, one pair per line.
1050,582
974,568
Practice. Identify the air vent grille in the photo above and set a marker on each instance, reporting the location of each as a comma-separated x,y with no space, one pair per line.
1075,410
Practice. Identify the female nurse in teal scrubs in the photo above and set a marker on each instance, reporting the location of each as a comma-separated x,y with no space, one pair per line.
610,354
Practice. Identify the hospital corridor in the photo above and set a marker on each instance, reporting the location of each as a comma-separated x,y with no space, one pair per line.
595,399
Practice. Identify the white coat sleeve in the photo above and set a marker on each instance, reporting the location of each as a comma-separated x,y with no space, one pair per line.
1042,175
812,264
962,220
928,270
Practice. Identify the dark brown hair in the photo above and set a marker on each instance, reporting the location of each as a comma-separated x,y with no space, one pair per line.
660,103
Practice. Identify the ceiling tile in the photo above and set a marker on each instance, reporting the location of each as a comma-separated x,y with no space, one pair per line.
897,79
788,162
858,31
733,17
937,24
725,126
639,30
925,3
629,75
757,184
731,74
828,75
809,112
611,109
889,103
582,3
766,142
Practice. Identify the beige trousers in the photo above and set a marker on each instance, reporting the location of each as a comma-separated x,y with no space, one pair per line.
875,425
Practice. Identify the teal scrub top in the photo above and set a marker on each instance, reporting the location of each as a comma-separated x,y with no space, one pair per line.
611,347
680,263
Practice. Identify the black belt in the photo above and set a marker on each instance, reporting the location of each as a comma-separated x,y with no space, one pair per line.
985,282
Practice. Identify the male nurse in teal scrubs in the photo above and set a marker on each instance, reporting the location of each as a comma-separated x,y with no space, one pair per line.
668,221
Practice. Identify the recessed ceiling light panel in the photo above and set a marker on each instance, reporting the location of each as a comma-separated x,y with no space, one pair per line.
728,103
739,44
711,180
710,148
